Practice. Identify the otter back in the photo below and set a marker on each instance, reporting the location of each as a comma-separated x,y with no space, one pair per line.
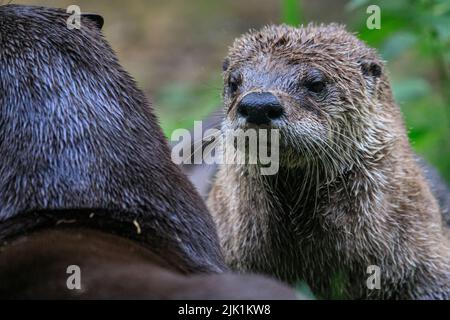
79,139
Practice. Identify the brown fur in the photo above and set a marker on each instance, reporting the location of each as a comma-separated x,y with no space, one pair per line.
349,192
80,146
113,267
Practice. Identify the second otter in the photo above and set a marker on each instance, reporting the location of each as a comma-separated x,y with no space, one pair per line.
349,196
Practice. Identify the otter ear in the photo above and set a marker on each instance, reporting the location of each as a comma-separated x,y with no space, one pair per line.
225,64
371,68
96,18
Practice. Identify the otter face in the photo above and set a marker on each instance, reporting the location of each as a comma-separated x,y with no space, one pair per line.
316,85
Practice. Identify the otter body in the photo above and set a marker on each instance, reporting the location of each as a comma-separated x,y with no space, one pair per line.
86,177
113,267
76,132
349,193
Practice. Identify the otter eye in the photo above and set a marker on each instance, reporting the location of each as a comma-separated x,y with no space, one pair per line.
234,81
316,86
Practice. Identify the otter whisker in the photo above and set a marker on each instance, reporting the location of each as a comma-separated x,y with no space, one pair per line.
204,140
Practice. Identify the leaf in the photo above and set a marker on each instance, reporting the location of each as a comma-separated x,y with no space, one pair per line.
291,12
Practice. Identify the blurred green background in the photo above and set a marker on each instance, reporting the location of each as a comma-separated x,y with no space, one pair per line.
174,48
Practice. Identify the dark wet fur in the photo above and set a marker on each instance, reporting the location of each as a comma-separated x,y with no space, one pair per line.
80,146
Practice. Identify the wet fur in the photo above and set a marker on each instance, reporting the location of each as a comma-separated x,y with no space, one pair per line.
80,146
113,267
349,192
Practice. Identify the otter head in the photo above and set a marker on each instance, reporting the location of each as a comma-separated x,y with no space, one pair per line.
319,85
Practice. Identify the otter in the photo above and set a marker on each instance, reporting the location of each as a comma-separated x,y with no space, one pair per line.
86,177
350,197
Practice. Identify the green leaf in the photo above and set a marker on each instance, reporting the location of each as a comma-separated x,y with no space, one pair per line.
291,12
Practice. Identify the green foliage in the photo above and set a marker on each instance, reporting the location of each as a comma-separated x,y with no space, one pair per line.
338,282
179,104
291,12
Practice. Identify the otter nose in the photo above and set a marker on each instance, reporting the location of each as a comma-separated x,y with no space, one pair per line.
259,108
